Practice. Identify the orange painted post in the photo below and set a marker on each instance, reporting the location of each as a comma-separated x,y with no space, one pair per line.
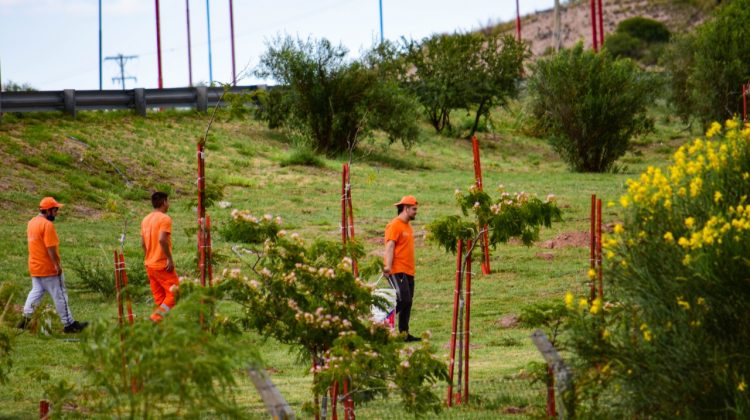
467,327
355,267
118,282
201,214
454,324
593,26
480,184
599,245
592,245
348,402
601,23
124,282
551,411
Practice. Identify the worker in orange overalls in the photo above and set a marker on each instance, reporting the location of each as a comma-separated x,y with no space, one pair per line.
156,240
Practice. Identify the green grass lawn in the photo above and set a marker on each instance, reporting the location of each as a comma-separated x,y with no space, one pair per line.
103,165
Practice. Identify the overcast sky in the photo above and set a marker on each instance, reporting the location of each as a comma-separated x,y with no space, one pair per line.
53,44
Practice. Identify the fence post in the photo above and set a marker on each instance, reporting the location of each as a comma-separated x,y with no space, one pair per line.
563,374
139,97
201,98
69,102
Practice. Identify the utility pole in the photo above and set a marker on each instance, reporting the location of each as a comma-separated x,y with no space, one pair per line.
100,45
121,60
518,22
380,2
210,63
231,31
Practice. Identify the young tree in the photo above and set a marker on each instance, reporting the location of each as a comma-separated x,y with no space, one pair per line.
463,71
332,100
590,106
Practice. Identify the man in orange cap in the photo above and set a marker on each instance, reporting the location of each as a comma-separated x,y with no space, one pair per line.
399,264
45,267
156,240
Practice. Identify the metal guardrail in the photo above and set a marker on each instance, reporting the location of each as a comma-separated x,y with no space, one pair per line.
71,101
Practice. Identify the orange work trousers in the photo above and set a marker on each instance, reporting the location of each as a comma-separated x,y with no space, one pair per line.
164,285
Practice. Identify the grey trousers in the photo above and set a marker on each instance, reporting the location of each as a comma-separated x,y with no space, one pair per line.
55,286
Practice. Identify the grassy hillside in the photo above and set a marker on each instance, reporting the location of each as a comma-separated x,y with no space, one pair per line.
103,165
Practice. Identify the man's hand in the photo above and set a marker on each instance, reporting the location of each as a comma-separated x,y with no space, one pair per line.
58,267
170,265
387,271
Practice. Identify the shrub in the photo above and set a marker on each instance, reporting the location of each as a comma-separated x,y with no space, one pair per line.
590,106
307,295
716,56
644,29
96,275
304,157
333,100
672,339
182,367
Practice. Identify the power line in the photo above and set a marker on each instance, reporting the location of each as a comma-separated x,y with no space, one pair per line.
121,60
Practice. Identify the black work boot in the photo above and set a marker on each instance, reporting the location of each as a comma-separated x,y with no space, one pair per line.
411,339
75,327
23,323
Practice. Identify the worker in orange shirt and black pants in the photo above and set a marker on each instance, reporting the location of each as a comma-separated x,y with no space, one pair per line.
156,240
399,264
45,267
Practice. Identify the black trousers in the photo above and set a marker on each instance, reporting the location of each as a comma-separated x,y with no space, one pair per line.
404,285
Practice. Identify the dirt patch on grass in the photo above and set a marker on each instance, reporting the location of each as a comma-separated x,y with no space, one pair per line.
508,321
566,239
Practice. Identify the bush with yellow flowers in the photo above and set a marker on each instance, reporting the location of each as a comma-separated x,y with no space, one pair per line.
671,337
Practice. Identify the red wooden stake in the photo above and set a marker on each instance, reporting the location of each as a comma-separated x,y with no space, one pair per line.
201,214
551,412
480,184
118,285
467,328
43,409
593,25
745,89
454,322
347,234
599,245
124,281
592,246
348,402
334,397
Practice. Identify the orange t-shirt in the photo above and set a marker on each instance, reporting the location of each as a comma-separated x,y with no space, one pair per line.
41,235
151,226
403,254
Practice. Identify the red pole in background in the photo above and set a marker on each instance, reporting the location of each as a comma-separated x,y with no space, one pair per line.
593,25
43,409
467,328
601,24
158,44
190,55
231,30
355,267
480,184
599,245
454,322
518,22
592,245
201,215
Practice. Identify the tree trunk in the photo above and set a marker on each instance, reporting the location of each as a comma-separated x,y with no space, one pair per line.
476,118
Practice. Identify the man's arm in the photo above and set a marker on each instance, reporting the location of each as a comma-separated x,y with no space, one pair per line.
390,246
143,245
164,243
54,255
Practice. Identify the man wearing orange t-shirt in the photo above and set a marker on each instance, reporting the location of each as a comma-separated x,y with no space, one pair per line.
156,240
399,264
45,267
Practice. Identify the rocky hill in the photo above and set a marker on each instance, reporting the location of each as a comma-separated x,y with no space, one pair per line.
575,20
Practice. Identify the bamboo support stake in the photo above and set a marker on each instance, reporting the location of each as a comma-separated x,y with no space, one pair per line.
454,322
480,184
467,328
592,245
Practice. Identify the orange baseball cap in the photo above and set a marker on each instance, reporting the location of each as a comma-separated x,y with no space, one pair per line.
408,200
48,203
